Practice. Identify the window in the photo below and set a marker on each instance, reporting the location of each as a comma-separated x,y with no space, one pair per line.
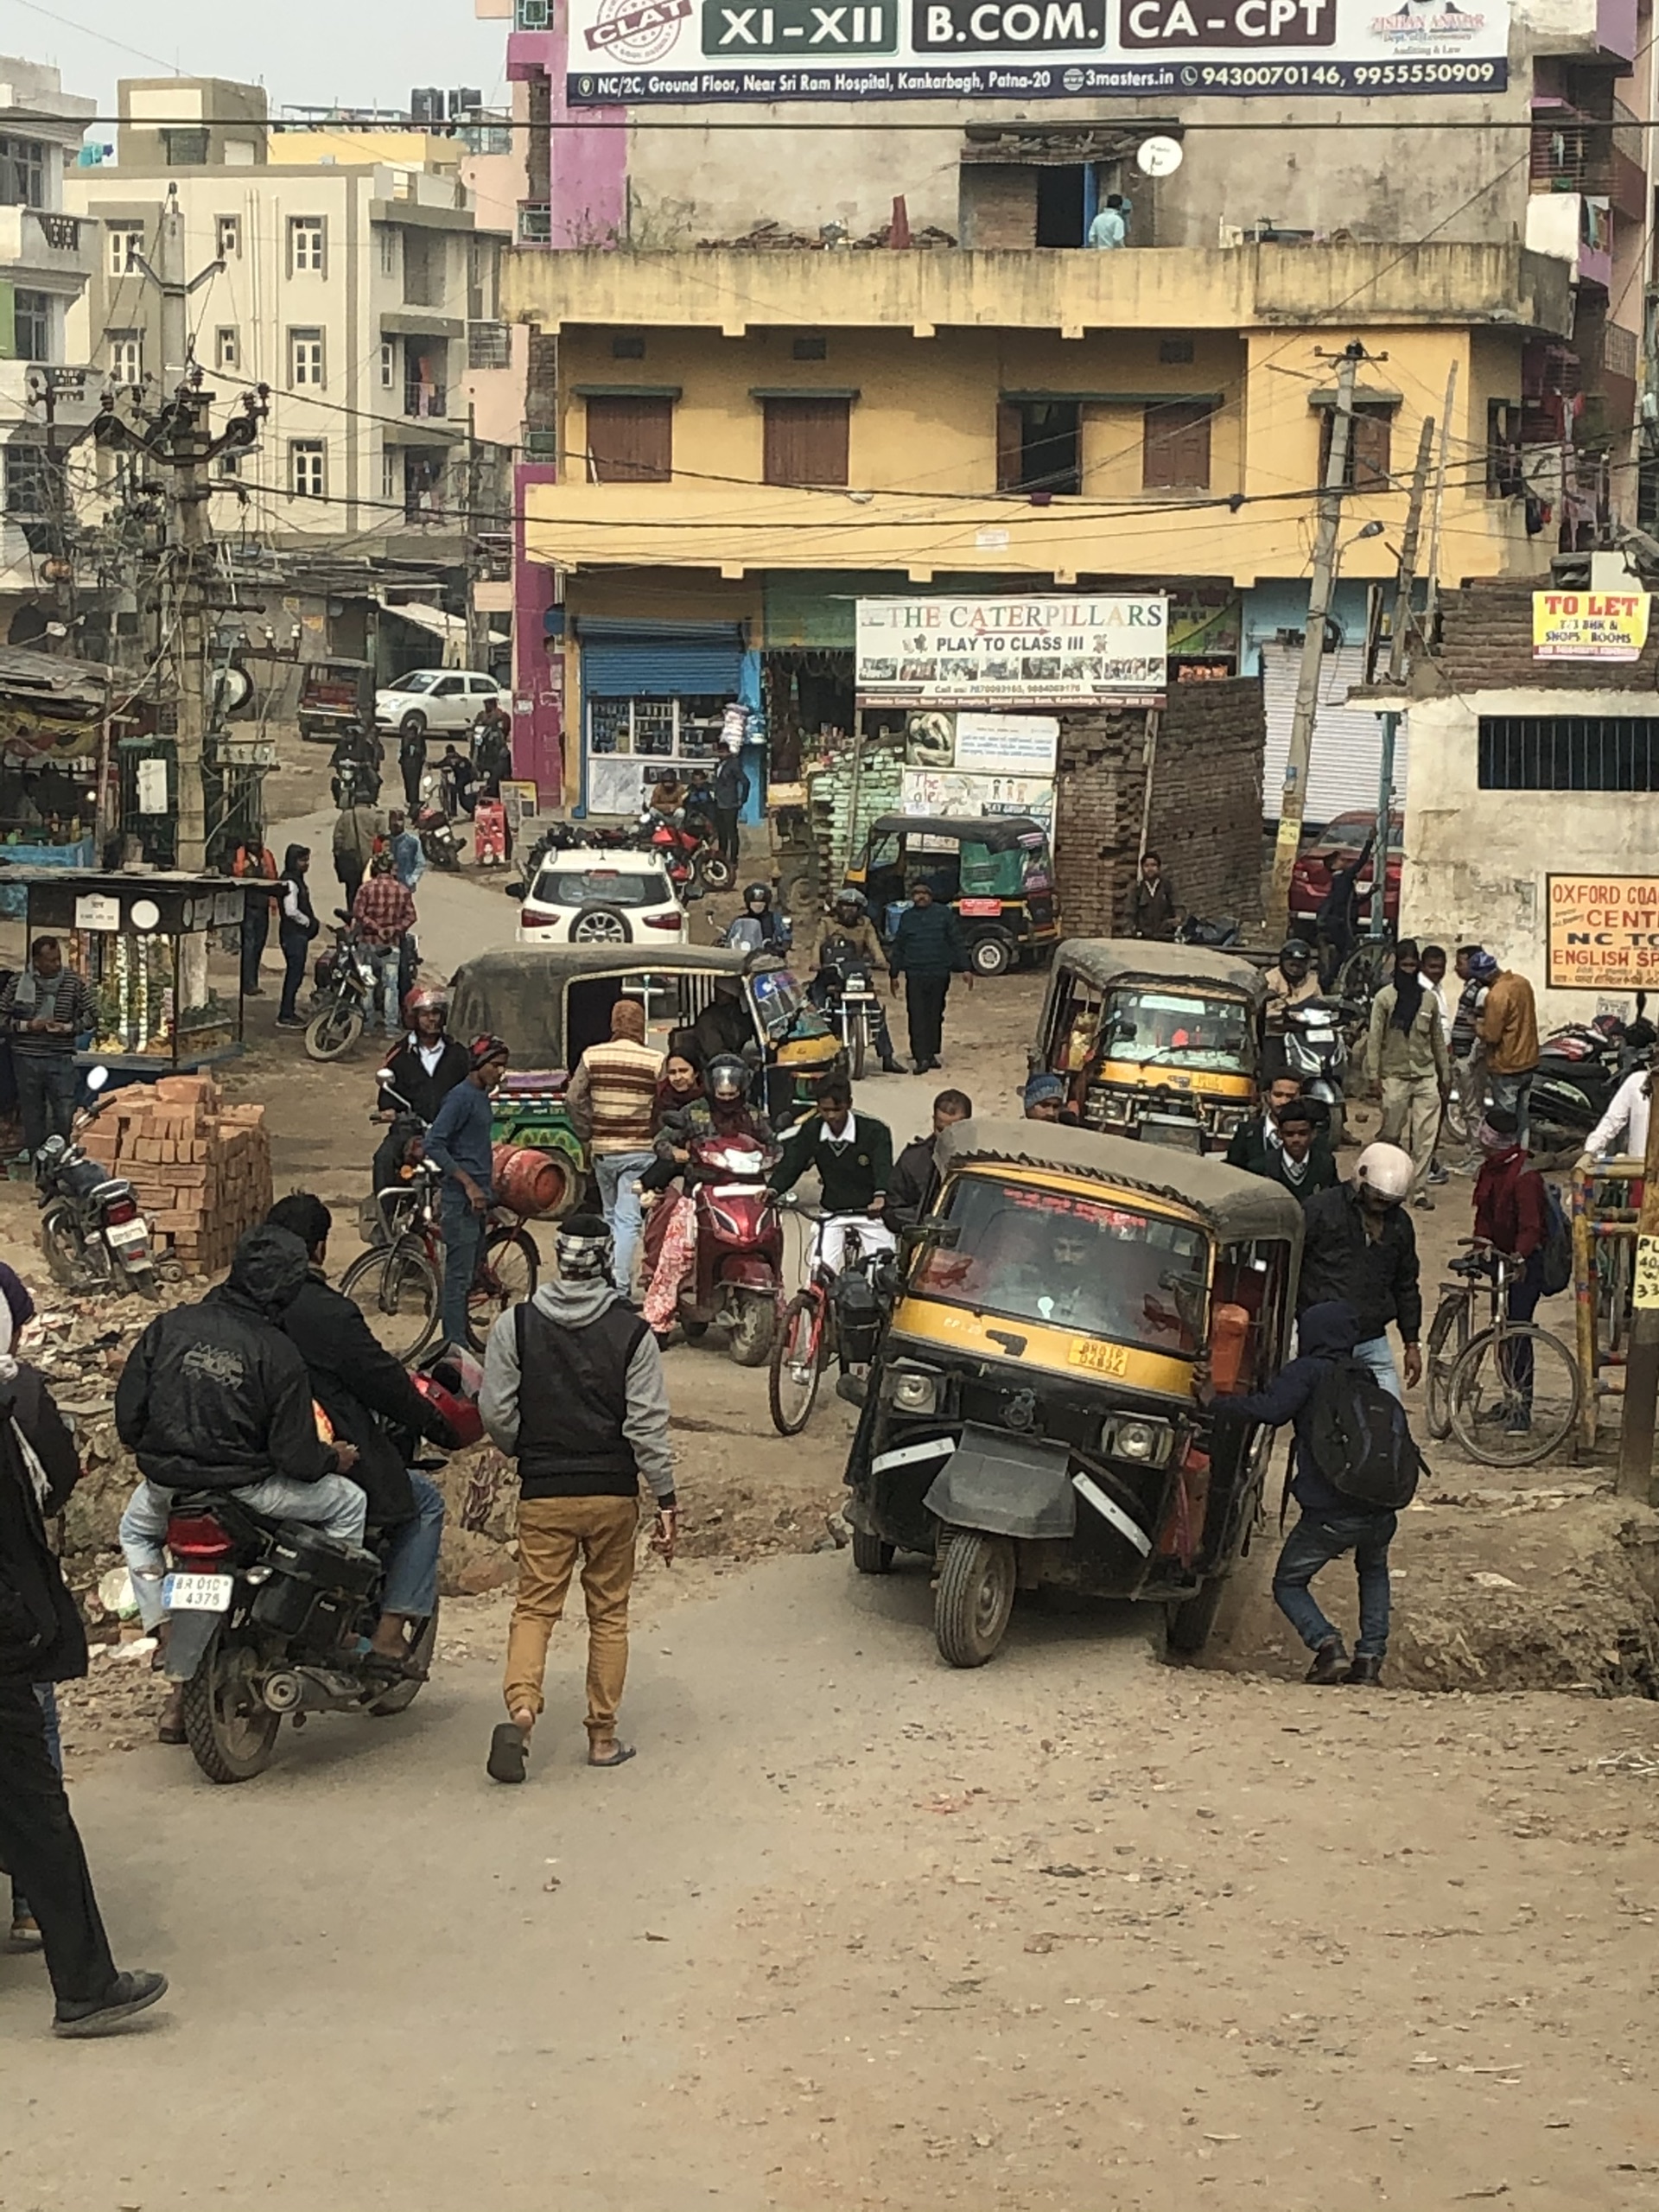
28,481
483,683
227,348
1172,351
810,349
23,173
449,687
1568,753
1039,446
806,441
1368,445
308,237
184,150
126,242
390,483
227,236
489,346
308,469
305,359
388,251
388,368
126,357
1175,446
630,439
628,345
31,323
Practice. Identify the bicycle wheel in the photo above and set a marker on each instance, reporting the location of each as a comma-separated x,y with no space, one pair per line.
397,1292
1448,1337
1613,1258
1514,1396
796,1362
508,1266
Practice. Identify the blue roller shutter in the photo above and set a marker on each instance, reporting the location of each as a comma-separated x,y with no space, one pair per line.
659,660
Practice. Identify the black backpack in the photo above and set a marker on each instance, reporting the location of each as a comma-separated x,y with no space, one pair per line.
1358,1437
1557,1250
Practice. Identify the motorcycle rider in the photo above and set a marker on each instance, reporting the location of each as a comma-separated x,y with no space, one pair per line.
424,1070
366,1394
723,1110
760,927
1291,982
850,925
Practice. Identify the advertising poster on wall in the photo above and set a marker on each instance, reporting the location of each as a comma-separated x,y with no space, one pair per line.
979,764
944,791
1078,650
693,51
1589,625
1604,932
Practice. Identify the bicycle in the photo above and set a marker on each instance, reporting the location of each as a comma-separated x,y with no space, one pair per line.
398,1286
1510,1394
809,1333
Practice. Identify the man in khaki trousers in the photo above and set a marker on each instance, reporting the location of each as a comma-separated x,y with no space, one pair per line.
574,1389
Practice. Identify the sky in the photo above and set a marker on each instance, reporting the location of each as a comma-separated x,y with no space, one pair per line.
359,52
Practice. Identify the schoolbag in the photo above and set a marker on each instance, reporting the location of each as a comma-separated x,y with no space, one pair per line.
1358,1437
1557,1246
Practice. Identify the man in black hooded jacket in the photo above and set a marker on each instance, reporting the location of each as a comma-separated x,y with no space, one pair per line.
215,1397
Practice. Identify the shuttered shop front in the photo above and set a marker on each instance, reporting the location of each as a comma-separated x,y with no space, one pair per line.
653,697
1347,753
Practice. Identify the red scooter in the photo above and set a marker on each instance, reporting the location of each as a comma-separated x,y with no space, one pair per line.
739,1276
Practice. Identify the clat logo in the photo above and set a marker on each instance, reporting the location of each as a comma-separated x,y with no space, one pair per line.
637,30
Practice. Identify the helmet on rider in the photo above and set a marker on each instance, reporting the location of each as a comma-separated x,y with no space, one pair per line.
1383,1175
434,1004
1294,955
727,1078
757,897
850,900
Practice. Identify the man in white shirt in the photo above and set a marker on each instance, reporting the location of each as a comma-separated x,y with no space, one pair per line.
1622,1132
1430,967
1111,227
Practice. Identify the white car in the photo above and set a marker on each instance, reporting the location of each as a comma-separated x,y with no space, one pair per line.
447,699
601,897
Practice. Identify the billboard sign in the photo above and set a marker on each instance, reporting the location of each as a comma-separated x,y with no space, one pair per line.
1589,625
692,53
1604,932
1051,651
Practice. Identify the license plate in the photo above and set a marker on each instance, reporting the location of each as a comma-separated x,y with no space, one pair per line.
1099,1358
197,1593
129,1232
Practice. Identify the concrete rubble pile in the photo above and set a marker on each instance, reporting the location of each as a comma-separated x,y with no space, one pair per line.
201,1168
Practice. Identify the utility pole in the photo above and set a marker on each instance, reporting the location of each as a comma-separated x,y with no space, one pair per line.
189,536
1432,599
1641,1357
1294,804
1399,623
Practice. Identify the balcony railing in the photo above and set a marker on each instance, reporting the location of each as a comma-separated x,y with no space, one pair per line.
61,232
489,346
429,402
535,222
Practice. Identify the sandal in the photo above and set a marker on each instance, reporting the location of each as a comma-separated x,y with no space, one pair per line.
508,1753
25,1934
620,1756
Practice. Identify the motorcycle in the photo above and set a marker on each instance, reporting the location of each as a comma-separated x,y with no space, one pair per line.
851,1002
437,834
92,1229
346,987
693,860
267,1619
737,1280
1191,929
1316,1050
1580,1068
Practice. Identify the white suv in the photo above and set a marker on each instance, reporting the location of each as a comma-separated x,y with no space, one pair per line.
594,896
447,699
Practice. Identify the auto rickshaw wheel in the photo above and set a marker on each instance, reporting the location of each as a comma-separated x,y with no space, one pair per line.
975,1597
1191,1622
993,954
870,1554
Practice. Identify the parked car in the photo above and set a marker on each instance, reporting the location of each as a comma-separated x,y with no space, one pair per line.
601,897
446,699
1338,843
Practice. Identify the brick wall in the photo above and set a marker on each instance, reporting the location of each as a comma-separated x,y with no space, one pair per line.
998,206
1487,646
1207,806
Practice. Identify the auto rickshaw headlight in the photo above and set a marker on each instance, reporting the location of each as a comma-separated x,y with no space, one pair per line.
912,1389
1131,1436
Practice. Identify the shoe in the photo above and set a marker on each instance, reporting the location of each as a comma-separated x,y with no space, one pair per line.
1518,1424
288,1022
1328,1662
892,1067
127,1995
1437,1175
25,1934
1364,1667
1424,1203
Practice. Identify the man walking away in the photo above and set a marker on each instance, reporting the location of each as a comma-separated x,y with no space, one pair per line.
41,1641
574,1389
296,925
411,763
255,865
359,829
1508,1027
459,1143
1153,913
1409,1057
1512,1216
915,1178
44,1009
612,1100
1359,1246
1354,1467
1474,969
1335,925
731,796
383,914
928,949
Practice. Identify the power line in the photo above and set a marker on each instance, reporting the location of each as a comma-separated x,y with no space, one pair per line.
638,119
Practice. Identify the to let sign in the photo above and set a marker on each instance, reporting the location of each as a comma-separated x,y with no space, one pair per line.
1604,932
1589,625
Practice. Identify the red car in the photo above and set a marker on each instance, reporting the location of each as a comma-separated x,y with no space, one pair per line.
1337,843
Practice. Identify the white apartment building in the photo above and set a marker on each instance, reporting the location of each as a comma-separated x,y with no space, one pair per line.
346,286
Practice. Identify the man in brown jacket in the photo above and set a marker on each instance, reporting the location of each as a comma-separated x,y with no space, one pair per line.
1508,1027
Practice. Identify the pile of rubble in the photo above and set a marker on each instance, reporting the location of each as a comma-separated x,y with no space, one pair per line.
773,237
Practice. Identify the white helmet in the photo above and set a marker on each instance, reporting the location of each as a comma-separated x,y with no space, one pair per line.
1386,1170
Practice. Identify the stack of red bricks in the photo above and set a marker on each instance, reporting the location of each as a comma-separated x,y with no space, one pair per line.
200,1169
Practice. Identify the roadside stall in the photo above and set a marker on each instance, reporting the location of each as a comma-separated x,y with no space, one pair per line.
52,723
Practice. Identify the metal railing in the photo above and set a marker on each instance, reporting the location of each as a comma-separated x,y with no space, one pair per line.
489,346
429,401
535,222
61,232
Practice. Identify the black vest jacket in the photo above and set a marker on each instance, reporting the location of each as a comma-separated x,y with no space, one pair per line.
573,1398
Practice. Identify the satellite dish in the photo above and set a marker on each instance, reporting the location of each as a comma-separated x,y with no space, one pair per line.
1158,156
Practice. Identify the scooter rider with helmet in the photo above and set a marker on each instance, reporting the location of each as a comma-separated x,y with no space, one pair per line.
723,1111
760,927
424,1068
1359,1246
1291,982
849,925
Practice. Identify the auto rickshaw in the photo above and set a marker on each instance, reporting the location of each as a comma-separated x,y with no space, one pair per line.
995,869
1031,1418
552,1002
1161,1042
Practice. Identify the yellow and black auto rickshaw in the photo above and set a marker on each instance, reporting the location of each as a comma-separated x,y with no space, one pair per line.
995,869
1031,1416
1161,1042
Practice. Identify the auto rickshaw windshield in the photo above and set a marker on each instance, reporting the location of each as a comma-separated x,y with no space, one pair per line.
780,1001
1160,1027
1091,1265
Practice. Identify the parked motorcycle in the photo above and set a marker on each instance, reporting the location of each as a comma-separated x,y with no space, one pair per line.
850,1001
690,851
439,842
1192,928
346,987
1316,1051
92,1228
266,1618
1580,1068
738,1278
